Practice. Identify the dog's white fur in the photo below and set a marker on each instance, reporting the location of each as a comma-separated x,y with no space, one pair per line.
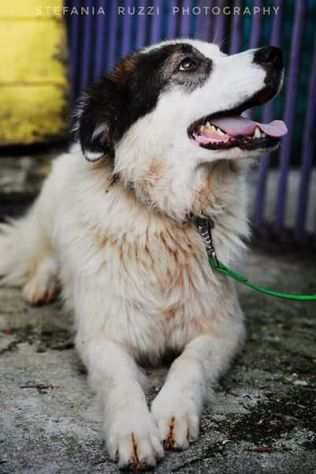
136,277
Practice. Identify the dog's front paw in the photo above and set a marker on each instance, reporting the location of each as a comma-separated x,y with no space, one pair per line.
133,440
177,418
42,286
37,292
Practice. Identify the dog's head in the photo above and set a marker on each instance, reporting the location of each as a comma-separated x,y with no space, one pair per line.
177,106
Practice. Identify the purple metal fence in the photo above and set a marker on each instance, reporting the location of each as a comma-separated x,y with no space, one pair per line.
99,34
267,116
289,117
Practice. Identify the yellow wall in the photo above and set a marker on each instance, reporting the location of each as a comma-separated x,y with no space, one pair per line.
33,71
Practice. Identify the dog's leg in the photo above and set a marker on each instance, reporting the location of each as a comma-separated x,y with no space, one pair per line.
177,407
131,434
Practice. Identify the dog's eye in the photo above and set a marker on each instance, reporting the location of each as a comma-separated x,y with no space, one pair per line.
187,65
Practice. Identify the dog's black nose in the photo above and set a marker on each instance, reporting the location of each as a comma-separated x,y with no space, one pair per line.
270,56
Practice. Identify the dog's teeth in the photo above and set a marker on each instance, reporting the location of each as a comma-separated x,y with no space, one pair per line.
208,127
257,133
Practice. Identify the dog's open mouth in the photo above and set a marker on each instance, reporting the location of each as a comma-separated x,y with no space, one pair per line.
229,129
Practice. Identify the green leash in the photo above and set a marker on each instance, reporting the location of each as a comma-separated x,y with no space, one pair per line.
219,267
204,226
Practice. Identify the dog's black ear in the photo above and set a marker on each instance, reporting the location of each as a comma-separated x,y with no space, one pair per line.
106,111
96,121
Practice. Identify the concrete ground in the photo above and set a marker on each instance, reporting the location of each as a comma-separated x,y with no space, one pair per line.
261,417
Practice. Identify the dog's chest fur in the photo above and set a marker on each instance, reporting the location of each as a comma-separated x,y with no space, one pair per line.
149,273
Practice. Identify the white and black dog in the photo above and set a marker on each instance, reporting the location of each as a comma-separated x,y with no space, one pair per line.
162,140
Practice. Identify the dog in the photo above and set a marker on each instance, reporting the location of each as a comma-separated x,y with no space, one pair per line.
160,141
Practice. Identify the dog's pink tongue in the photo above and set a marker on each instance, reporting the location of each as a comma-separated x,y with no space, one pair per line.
276,128
236,126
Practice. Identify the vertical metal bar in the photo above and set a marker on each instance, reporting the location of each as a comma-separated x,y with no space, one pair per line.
267,116
155,33
87,20
307,158
172,22
74,52
204,22
212,22
127,27
255,28
100,42
219,26
255,37
141,27
236,31
291,90
185,19
113,44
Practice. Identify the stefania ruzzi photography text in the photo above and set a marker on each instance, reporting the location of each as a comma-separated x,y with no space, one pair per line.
155,10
